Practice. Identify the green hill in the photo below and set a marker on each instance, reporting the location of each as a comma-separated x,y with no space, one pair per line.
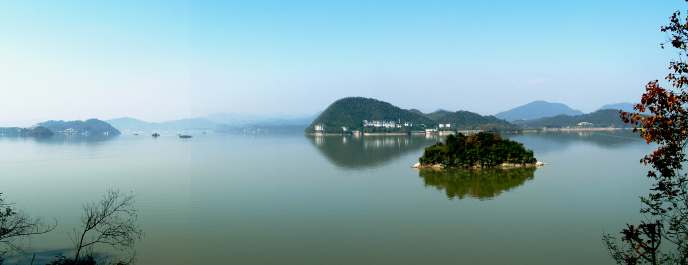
466,120
91,126
600,118
350,113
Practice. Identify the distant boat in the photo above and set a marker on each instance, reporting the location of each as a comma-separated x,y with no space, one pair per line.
184,136
203,132
156,134
136,134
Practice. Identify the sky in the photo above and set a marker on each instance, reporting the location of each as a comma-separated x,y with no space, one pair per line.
167,60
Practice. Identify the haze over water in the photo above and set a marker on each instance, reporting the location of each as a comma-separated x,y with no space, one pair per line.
294,199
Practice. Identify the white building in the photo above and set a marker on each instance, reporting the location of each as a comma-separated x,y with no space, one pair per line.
385,124
319,128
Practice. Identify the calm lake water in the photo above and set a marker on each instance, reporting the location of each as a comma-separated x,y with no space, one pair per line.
295,199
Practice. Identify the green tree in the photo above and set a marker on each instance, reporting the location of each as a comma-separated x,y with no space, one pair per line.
663,237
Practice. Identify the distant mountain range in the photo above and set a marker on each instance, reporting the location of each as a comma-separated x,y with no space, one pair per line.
600,118
217,121
350,112
537,109
542,109
627,107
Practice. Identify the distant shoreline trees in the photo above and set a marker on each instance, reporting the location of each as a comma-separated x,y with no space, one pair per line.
34,131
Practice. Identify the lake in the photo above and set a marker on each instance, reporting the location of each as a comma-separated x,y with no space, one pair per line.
267,198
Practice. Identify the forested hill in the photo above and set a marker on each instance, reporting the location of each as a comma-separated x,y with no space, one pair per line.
91,126
600,118
466,120
350,113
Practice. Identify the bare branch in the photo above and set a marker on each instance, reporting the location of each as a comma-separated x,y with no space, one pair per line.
111,221
16,224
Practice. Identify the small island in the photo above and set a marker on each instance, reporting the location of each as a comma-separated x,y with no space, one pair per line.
475,151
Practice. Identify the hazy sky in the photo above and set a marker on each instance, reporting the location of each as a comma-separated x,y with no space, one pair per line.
166,60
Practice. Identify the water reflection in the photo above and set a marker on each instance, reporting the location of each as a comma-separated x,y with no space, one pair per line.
60,139
485,183
545,142
368,151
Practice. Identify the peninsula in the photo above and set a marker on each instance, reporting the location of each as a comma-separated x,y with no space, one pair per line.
477,150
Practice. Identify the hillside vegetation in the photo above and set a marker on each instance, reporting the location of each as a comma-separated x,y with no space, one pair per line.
600,118
91,126
350,113
466,120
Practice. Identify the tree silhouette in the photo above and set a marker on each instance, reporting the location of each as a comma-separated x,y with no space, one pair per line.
16,224
110,221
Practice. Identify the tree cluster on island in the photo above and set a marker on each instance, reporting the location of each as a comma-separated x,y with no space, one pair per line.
477,150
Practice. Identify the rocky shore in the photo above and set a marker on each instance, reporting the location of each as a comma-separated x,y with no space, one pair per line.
505,165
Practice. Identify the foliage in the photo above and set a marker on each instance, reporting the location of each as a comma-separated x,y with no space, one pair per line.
666,207
600,118
481,149
15,224
350,112
91,126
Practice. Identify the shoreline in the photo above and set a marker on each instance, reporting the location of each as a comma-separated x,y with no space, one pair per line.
504,165
584,129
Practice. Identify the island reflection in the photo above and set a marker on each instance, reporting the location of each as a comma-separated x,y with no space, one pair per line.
483,184
368,151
